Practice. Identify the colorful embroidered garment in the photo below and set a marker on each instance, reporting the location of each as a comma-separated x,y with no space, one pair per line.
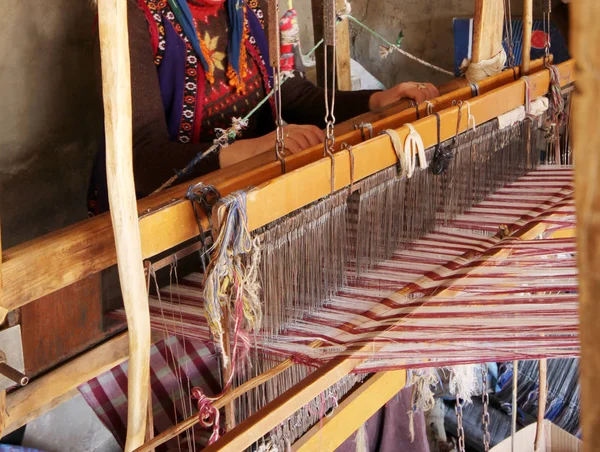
207,78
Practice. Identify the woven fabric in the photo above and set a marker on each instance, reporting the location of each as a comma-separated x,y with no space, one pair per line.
173,363
461,294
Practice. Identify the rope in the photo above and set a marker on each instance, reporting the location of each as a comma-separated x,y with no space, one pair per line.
394,47
475,72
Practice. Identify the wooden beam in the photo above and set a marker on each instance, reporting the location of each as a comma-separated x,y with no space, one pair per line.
487,29
45,393
116,88
342,43
290,192
3,311
585,46
353,412
2,412
88,247
527,31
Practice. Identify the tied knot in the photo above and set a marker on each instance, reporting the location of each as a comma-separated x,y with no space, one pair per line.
208,414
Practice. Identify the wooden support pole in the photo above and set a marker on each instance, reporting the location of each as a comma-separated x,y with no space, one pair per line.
585,46
116,84
353,412
487,29
342,43
542,399
3,311
527,30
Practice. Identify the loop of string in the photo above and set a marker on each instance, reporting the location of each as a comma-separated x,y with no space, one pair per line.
415,146
405,160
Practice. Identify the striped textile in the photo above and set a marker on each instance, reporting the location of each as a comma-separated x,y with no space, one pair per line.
173,362
447,299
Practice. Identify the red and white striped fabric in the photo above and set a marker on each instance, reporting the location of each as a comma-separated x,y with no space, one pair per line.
176,365
458,295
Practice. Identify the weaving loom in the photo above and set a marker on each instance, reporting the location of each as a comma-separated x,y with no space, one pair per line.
347,267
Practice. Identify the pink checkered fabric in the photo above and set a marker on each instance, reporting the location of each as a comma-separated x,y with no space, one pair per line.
176,365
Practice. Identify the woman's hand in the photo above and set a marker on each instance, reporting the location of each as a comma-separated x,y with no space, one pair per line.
296,139
419,92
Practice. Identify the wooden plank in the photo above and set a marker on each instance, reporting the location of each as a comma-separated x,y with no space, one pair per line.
88,247
290,191
352,412
487,29
3,311
342,44
2,412
116,89
585,45
245,434
62,324
49,391
527,31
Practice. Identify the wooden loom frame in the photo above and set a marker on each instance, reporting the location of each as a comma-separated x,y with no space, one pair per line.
59,385
19,260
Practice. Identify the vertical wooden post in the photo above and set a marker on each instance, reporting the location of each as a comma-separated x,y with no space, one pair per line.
342,42
585,48
488,26
227,370
3,414
116,87
527,30
3,311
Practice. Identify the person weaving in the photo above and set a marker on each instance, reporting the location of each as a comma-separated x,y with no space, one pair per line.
196,65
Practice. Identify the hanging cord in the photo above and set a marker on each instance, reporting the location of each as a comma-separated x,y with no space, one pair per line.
203,197
442,155
394,47
514,404
415,146
225,137
485,401
362,126
509,39
405,160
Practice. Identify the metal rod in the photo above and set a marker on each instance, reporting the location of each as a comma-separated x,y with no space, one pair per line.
13,374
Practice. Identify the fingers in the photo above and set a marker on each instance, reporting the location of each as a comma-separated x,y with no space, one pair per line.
419,92
301,137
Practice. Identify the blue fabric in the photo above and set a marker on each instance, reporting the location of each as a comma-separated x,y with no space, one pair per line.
171,77
184,16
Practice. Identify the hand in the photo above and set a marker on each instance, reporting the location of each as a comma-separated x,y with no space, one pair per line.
419,92
296,139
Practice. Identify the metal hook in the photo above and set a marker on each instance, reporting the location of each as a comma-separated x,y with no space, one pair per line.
281,159
347,147
416,107
361,126
331,156
474,89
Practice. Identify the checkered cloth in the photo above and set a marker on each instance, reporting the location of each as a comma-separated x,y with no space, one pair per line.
176,365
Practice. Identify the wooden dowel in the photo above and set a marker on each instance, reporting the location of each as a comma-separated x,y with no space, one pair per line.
542,400
88,247
527,30
515,381
116,88
585,45
487,29
226,371
226,399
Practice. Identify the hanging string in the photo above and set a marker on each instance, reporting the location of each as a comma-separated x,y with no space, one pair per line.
394,47
509,38
226,137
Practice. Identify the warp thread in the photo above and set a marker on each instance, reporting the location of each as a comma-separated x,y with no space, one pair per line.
463,381
475,72
231,276
422,397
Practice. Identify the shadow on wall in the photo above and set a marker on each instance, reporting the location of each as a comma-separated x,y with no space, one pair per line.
50,118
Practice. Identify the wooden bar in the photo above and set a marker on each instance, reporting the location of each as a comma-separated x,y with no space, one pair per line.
527,31
47,392
487,29
290,191
585,45
353,412
167,219
116,88
3,311
342,44
2,412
